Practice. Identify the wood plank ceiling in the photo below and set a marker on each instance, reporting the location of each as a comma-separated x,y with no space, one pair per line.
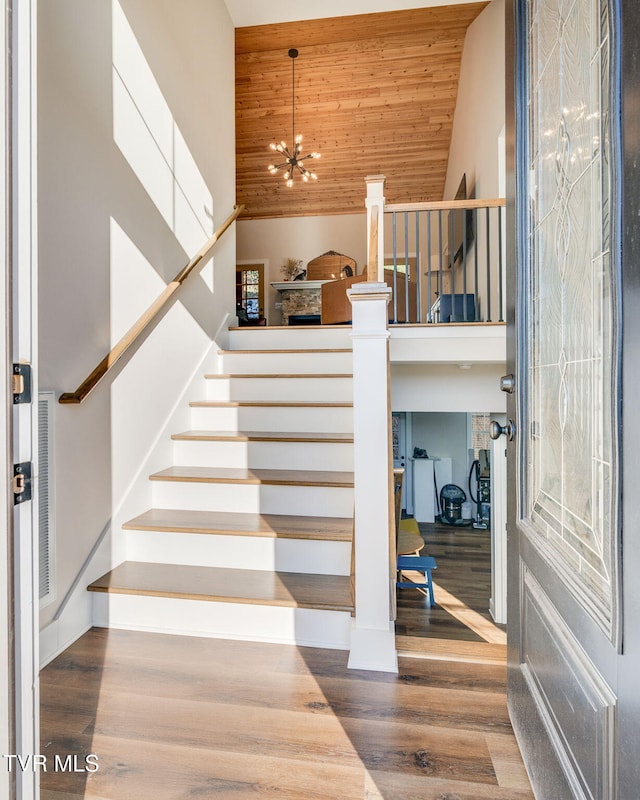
375,93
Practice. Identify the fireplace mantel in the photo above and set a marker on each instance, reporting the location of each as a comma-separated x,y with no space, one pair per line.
283,286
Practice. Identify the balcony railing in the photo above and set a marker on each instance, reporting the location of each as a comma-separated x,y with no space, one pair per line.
444,261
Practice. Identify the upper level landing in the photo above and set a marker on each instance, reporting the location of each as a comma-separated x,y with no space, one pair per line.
458,344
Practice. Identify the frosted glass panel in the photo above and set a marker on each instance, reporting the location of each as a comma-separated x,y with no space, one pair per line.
570,498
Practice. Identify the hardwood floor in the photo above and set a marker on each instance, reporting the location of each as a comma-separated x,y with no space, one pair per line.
462,589
175,718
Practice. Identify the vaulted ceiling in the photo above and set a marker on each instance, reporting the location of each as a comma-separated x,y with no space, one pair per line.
375,93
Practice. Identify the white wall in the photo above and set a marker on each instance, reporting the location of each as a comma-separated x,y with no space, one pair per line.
444,434
480,107
446,387
136,152
275,240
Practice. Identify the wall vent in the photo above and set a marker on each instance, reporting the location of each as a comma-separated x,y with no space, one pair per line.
46,497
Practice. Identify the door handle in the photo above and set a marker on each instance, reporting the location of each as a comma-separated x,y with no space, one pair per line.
507,383
496,430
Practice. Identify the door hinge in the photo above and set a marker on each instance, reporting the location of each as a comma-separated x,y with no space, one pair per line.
21,383
22,482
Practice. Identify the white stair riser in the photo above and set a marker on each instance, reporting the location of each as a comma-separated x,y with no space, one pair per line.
264,455
320,337
225,389
311,501
278,418
288,363
240,552
301,626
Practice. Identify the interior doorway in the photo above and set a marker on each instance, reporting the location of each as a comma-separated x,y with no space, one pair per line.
250,294
457,482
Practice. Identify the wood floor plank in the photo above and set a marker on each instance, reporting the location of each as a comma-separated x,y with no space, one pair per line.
262,436
150,770
280,526
507,761
304,736
353,699
176,718
462,591
411,787
452,650
271,477
263,587
441,673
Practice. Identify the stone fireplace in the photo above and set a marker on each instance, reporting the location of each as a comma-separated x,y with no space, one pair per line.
299,299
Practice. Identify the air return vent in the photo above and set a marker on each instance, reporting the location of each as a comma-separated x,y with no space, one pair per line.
46,496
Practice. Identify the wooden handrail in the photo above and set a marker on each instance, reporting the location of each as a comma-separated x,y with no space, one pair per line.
139,328
446,205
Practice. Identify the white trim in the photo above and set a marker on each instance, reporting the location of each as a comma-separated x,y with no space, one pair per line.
408,475
498,601
372,634
50,646
6,683
25,332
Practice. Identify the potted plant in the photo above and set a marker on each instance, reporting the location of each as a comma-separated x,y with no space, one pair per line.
291,268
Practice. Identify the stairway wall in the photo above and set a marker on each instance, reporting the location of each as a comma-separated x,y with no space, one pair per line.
127,180
76,619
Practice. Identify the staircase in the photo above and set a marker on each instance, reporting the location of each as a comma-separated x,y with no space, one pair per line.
250,532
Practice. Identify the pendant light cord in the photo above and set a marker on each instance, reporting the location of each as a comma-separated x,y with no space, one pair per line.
293,101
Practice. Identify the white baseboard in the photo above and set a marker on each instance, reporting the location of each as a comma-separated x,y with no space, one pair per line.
61,633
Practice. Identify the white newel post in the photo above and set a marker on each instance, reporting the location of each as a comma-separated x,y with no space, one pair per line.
372,636
375,226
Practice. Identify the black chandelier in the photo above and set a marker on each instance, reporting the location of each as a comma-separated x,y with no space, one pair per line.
294,163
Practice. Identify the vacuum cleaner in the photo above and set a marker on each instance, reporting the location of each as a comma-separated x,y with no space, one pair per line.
450,502
482,500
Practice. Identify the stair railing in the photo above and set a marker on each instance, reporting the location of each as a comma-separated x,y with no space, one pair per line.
143,325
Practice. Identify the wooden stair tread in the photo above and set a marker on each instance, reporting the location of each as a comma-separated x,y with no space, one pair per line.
216,376
271,477
451,650
279,526
270,404
258,587
262,436
291,350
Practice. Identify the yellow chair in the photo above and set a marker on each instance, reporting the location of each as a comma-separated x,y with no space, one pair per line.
409,543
